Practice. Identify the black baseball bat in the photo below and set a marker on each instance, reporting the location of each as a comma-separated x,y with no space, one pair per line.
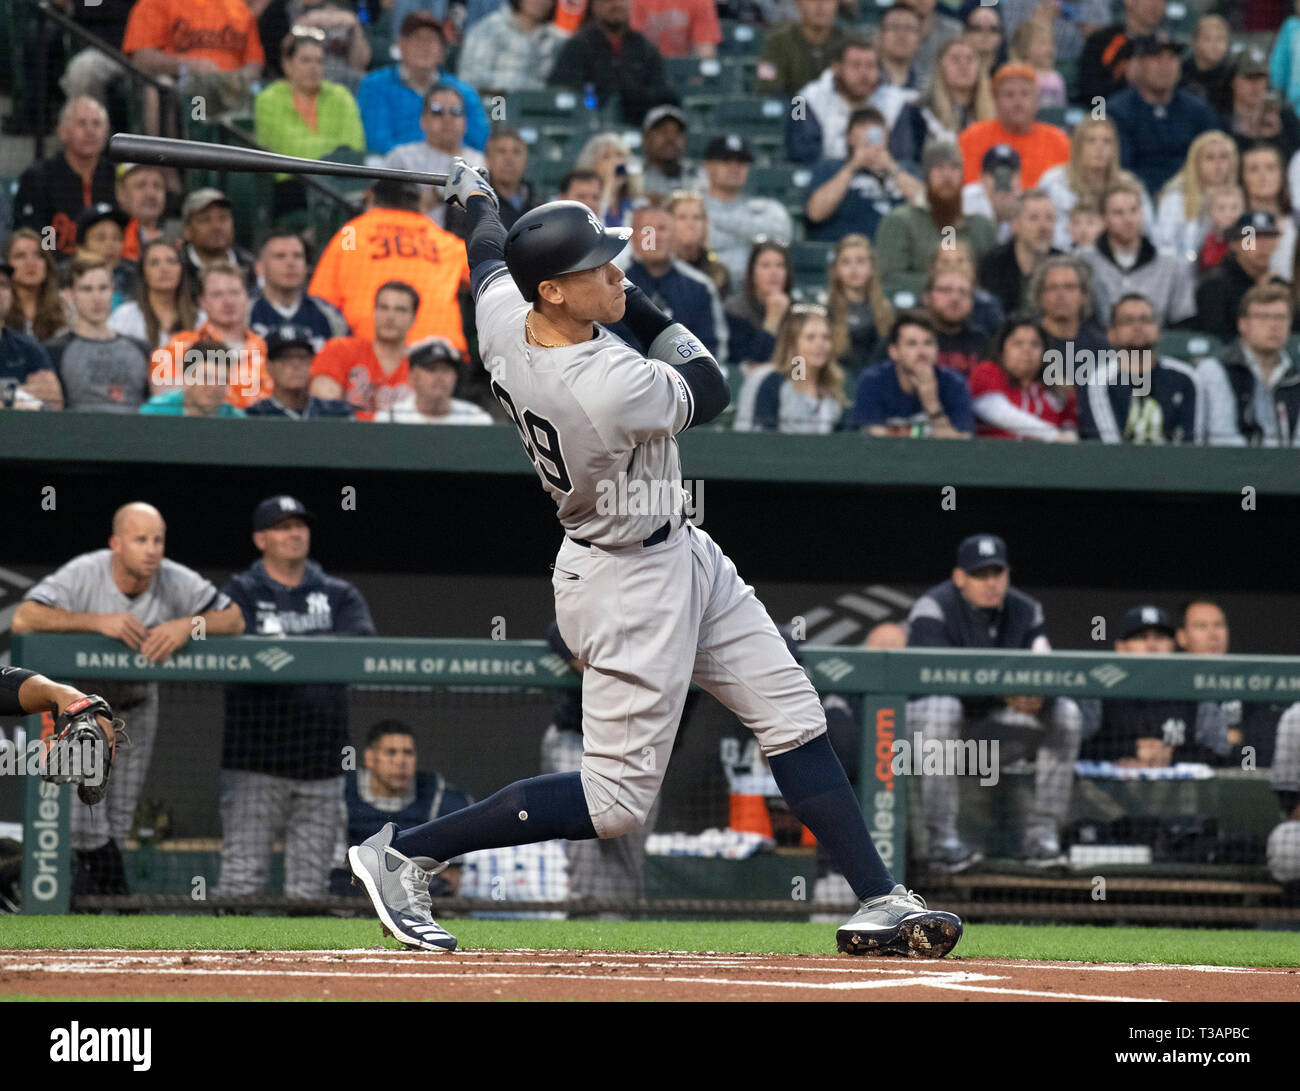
161,151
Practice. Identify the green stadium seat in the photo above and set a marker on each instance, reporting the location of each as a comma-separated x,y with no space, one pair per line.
707,76
763,113
740,39
1189,345
810,260
553,105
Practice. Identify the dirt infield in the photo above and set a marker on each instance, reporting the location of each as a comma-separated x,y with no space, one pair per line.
381,974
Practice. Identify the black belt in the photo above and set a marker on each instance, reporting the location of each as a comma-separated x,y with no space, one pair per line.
660,535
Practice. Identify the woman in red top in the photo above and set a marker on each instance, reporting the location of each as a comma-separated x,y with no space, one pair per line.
1010,398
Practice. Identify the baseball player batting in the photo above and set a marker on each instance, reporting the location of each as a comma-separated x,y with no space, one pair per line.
648,602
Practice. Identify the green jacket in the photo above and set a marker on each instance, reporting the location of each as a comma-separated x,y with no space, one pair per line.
278,126
790,61
907,239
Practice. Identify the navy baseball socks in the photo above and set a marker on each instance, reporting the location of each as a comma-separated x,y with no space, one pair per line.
537,809
813,782
890,920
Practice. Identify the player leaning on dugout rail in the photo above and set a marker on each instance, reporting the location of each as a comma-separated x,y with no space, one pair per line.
647,605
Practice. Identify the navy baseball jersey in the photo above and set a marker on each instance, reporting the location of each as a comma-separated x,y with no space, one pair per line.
294,731
320,316
942,618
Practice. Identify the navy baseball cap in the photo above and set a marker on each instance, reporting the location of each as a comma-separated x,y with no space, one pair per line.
432,354
1000,155
1262,223
980,551
730,147
1141,618
1151,45
280,338
275,509
94,214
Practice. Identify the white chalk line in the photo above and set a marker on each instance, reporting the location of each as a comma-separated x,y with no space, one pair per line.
953,981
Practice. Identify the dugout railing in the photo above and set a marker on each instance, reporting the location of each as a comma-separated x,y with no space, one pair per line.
457,682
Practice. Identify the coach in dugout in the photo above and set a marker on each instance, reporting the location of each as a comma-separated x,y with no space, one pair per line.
978,608
283,746
131,593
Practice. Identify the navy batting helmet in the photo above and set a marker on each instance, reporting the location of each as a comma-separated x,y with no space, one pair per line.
557,238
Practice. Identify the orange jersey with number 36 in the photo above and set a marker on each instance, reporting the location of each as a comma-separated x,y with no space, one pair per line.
391,244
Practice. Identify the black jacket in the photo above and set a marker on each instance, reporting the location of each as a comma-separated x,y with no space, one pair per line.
1218,298
635,72
51,193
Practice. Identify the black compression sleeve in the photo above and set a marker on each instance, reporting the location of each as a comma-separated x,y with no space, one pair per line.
642,317
11,681
487,237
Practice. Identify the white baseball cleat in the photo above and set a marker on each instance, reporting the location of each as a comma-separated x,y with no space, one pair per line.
399,891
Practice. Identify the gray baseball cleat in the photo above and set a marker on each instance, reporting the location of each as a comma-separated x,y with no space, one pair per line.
1042,851
899,923
952,856
399,891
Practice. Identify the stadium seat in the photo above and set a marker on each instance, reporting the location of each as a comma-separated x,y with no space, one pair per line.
763,113
552,105
1189,345
781,182
740,39
707,76
810,260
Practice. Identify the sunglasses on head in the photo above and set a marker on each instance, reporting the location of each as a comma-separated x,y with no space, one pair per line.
314,34
437,110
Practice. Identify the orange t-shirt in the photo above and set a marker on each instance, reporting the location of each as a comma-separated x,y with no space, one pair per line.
249,381
569,15
351,362
221,31
1042,147
392,244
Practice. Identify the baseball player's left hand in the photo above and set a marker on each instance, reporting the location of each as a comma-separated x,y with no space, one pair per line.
166,638
463,181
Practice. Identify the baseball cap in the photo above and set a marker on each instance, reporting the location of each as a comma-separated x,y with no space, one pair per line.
1262,223
1144,617
280,338
433,354
938,154
1250,62
665,112
1000,155
275,509
200,199
980,551
98,214
123,169
728,148
1015,70
419,20
1151,45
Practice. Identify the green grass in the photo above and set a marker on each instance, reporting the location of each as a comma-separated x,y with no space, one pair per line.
1237,947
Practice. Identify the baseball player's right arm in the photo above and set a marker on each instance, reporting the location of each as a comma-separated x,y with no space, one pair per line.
35,617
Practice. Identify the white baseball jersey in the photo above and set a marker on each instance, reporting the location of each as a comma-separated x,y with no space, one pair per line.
597,419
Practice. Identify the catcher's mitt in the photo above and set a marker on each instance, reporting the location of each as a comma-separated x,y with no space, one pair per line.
81,751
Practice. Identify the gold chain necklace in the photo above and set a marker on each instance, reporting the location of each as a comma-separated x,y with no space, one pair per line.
528,327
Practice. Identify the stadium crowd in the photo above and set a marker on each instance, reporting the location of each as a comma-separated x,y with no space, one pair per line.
901,226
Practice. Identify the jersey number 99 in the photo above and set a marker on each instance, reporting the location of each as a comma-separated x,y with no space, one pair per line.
540,439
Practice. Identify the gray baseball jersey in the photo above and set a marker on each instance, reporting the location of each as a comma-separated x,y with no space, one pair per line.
85,585
597,419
